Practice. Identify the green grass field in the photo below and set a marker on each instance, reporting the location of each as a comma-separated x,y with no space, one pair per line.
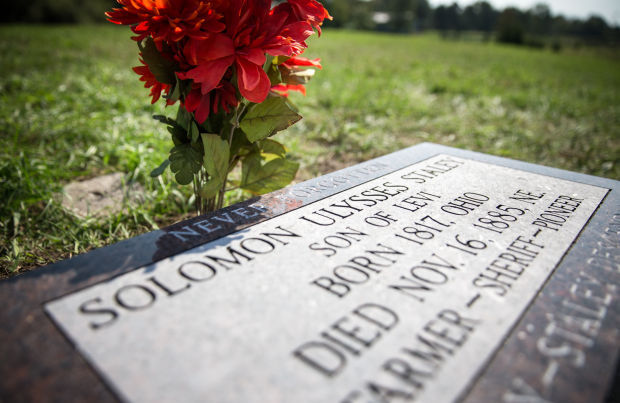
71,108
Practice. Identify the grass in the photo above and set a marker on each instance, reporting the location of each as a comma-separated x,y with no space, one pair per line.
71,108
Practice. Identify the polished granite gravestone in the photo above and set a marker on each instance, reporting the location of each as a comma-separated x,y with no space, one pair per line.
431,274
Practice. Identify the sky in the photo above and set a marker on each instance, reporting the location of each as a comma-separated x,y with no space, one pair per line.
608,9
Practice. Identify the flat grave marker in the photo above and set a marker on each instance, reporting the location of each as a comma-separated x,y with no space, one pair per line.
430,274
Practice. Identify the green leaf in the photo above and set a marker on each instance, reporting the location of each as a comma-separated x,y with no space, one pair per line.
179,135
270,146
183,117
292,105
280,59
241,145
267,118
275,174
268,62
175,94
165,120
273,72
216,156
194,133
179,89
210,189
185,161
161,67
160,169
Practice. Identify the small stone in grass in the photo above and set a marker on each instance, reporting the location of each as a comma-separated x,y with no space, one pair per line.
100,196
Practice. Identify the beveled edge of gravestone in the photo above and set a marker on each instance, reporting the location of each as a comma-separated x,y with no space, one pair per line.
34,348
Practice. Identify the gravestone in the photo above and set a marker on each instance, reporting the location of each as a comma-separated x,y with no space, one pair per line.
431,274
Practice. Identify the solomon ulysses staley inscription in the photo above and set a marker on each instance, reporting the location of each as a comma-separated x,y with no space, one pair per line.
143,295
396,289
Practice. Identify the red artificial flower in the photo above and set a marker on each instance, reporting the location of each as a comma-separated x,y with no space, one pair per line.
293,76
252,29
310,11
295,61
223,96
168,20
213,57
213,41
150,81
283,89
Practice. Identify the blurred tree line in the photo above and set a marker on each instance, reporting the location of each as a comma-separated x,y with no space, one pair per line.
509,25
56,11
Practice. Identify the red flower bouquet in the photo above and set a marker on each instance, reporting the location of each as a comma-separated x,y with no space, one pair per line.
230,64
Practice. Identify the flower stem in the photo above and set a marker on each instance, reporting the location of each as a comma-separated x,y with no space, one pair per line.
235,124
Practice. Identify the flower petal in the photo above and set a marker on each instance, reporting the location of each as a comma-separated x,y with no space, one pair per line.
256,56
302,61
208,74
202,113
249,73
260,84
217,46
283,89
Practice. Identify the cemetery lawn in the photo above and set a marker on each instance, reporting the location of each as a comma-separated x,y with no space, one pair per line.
72,109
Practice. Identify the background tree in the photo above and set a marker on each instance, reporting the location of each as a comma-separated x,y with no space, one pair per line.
510,27
351,14
56,11
539,19
422,14
341,11
403,15
441,20
454,17
595,29
480,16
447,19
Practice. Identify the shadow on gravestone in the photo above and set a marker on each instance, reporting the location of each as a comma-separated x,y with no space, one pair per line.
201,229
